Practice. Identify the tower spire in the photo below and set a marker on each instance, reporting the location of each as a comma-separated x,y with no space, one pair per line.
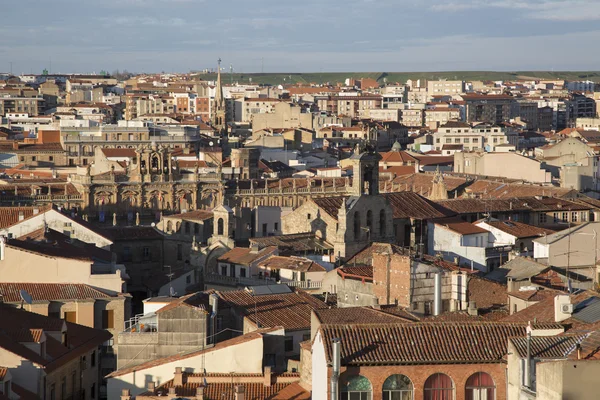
219,112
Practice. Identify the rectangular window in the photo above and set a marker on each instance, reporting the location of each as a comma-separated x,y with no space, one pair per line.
574,217
307,216
565,217
93,359
93,391
242,272
53,392
289,344
584,216
179,252
264,229
108,319
543,218
276,226
224,270
63,388
232,271
556,219
127,254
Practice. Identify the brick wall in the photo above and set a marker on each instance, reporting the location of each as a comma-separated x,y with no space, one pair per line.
394,285
418,374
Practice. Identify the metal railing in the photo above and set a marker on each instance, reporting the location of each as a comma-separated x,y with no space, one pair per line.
139,324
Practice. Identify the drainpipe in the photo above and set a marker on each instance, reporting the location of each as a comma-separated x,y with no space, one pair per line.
335,374
437,293
528,360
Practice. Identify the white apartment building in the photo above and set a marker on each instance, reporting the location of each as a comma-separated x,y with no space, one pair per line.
444,87
480,137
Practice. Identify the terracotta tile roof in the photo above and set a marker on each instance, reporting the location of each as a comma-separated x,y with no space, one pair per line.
245,255
363,258
425,160
196,215
360,272
459,226
10,215
422,183
502,190
489,315
31,147
331,205
471,206
543,311
455,124
3,371
294,263
397,156
81,338
297,243
288,310
24,335
54,244
248,337
120,153
486,293
421,343
519,229
553,347
192,164
225,390
361,316
533,295
9,292
413,205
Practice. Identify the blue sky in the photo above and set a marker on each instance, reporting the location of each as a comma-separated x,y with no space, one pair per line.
300,35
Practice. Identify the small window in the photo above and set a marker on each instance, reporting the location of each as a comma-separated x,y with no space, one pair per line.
188,279
179,252
93,359
93,391
146,253
308,216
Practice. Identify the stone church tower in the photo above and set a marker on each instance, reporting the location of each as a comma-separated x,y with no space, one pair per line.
219,108
365,171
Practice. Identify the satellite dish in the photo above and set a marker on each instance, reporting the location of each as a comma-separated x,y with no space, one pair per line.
153,224
211,143
25,297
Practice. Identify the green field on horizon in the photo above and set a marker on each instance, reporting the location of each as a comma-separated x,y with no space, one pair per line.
400,77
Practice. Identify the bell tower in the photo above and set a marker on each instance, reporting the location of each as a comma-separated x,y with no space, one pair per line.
365,167
219,109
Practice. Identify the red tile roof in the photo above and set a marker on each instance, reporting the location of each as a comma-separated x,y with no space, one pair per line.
245,255
197,215
421,343
118,153
11,215
360,316
519,229
413,205
9,292
300,264
459,226
288,310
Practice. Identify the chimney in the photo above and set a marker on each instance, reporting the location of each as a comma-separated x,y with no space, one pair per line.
178,377
239,393
125,394
172,391
267,375
437,294
150,386
472,309
200,393
254,248
335,373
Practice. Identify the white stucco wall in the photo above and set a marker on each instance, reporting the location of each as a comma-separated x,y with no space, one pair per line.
243,358
469,248
319,369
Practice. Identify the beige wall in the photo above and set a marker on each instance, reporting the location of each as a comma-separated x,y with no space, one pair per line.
284,115
558,380
507,165
44,269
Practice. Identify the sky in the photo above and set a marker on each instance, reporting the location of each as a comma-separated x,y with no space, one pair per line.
299,35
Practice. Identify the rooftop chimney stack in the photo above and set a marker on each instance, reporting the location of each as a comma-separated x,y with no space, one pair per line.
178,377
125,394
150,386
267,374
437,294
336,364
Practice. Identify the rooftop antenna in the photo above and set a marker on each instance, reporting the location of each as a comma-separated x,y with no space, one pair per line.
25,297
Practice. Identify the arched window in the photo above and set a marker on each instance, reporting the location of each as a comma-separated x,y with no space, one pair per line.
438,387
178,227
196,229
480,386
382,227
169,226
220,227
521,247
356,225
370,220
397,387
187,228
355,388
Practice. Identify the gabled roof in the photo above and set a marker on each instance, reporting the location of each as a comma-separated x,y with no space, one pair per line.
518,229
288,310
12,215
361,316
460,226
518,269
196,215
131,233
552,347
293,263
297,243
118,153
413,205
9,292
421,343
245,255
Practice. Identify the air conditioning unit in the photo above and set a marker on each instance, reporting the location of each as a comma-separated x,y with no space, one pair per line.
567,308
